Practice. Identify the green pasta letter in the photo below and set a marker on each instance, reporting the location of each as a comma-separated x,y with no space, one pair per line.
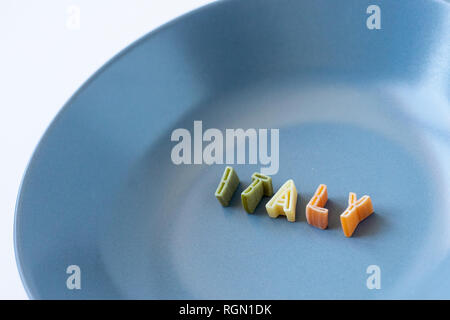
227,186
261,185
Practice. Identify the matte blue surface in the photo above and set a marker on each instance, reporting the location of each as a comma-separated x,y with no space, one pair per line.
359,110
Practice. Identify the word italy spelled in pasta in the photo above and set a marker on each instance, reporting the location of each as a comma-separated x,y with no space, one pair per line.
284,202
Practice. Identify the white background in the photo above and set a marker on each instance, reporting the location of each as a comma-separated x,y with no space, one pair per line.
44,59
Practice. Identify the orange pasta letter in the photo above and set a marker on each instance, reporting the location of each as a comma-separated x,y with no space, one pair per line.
356,212
316,214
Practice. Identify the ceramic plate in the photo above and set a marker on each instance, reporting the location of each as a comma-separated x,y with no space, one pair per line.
359,104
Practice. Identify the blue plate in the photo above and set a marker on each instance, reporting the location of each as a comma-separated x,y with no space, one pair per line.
361,110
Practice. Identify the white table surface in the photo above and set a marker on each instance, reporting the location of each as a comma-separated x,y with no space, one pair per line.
45,56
